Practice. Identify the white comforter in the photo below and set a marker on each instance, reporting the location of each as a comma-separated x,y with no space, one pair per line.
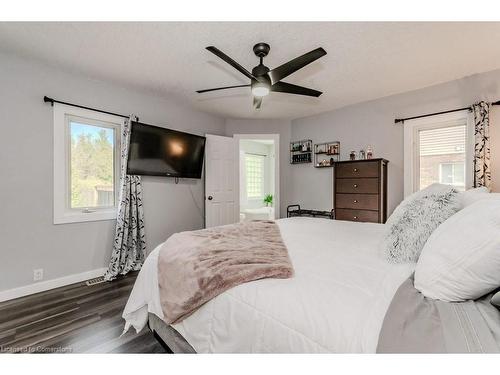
336,301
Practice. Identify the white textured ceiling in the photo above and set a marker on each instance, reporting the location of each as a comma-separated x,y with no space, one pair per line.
365,60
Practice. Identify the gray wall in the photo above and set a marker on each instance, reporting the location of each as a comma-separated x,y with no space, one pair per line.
372,123
28,238
281,127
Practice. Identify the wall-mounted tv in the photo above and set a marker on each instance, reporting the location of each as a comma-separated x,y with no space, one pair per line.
156,151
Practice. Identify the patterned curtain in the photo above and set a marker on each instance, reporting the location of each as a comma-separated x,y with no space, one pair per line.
130,240
482,174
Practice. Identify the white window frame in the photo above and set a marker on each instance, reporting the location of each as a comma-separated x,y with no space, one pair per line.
411,146
62,212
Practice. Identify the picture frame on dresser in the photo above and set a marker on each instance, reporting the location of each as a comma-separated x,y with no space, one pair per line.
360,190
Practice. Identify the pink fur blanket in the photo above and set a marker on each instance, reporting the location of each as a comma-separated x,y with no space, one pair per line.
194,267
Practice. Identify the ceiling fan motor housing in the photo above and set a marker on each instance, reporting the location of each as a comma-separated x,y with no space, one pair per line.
260,72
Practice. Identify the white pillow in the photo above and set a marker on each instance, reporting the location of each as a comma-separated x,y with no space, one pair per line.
461,259
470,198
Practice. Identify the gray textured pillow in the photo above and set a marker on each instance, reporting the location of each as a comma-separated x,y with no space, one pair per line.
414,220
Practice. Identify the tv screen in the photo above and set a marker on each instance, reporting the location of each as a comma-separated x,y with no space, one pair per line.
156,151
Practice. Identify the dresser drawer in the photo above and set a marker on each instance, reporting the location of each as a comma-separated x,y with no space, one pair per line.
357,169
356,215
357,185
357,201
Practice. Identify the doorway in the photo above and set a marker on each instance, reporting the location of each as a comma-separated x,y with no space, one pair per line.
258,160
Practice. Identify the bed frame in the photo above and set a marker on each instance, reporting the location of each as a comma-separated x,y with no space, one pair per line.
171,340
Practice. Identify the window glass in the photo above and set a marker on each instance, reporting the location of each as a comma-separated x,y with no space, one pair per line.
254,166
442,156
92,169
452,174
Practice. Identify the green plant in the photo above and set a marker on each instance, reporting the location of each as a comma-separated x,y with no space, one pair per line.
268,200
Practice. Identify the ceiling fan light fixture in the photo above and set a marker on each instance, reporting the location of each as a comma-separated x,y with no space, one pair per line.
263,80
260,89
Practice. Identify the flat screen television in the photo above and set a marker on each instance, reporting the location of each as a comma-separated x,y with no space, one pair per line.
156,151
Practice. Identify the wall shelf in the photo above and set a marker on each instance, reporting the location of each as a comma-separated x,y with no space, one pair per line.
301,151
326,154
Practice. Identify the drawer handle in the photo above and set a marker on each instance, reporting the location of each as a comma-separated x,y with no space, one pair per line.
355,218
355,185
355,170
355,201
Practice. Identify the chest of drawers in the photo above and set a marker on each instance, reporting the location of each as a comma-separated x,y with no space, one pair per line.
360,190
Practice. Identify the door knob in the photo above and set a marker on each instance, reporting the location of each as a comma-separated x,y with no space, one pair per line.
210,197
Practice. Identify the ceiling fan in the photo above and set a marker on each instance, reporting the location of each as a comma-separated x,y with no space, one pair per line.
263,80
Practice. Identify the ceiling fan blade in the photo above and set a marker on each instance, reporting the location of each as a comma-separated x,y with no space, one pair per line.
292,66
294,89
257,102
217,52
221,88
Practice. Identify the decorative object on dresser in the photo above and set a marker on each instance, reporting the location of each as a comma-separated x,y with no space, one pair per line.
369,152
301,151
295,210
360,190
326,154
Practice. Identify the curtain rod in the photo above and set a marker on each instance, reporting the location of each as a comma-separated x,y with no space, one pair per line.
46,99
438,113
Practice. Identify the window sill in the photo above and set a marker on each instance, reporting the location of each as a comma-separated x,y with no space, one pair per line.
79,217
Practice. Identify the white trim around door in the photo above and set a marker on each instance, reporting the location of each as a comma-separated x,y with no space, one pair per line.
276,139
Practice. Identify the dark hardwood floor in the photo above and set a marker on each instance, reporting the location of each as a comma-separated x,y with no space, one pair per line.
73,319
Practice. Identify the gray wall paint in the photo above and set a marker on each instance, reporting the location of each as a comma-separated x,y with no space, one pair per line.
281,127
372,123
28,238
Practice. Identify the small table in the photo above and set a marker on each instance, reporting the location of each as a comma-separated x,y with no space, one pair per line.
295,210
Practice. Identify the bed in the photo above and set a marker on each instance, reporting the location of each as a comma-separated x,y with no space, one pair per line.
337,302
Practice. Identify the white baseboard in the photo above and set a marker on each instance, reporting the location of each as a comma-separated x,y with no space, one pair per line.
42,286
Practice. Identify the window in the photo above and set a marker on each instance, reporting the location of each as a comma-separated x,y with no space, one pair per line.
438,149
452,174
86,165
254,166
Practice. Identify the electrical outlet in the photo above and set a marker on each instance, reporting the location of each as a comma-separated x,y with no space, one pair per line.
38,274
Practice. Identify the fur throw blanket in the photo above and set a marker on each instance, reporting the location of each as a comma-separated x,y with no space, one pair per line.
194,267
414,220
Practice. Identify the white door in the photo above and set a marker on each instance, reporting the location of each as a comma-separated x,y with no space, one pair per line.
221,203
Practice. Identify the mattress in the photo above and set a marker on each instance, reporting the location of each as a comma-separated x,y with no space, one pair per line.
336,301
